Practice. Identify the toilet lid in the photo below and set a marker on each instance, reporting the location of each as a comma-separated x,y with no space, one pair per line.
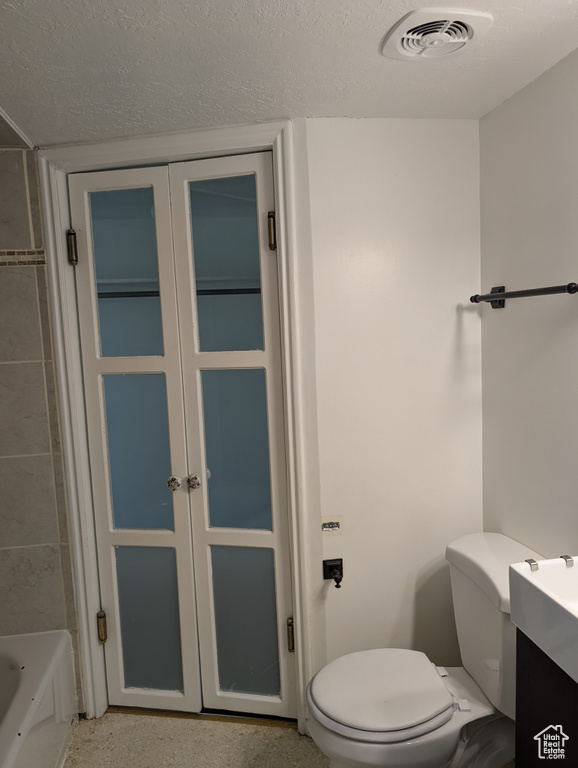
386,689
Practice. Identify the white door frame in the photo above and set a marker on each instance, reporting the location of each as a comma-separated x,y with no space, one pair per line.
298,368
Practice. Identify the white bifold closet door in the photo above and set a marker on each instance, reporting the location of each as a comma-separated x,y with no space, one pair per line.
179,325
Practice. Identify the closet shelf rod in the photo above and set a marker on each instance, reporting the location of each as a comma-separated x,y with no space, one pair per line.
499,294
152,294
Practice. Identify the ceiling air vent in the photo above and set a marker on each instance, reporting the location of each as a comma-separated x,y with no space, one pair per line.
435,33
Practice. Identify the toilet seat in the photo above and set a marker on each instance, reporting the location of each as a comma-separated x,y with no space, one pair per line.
384,695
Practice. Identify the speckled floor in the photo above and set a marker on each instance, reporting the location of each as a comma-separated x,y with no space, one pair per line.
128,740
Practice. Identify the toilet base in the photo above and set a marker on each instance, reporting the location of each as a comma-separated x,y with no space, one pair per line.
490,744
425,752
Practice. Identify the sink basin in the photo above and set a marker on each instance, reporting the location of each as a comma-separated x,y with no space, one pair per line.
544,605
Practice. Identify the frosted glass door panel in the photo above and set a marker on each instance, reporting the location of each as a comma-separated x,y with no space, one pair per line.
237,448
138,450
230,321
149,617
127,274
226,256
246,619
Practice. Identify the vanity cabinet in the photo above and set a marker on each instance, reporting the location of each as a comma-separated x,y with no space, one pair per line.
546,709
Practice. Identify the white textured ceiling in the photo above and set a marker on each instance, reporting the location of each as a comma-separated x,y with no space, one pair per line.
89,70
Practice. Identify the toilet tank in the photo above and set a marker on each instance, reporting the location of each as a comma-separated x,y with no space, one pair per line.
481,596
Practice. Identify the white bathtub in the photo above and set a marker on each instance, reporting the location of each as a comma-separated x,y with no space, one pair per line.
37,699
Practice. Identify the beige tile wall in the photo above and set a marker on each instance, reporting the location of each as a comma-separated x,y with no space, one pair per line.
35,568
21,236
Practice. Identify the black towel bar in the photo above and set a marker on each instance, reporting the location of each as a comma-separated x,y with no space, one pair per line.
498,296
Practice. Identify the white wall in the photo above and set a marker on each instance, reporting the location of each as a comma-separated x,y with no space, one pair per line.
395,244
529,202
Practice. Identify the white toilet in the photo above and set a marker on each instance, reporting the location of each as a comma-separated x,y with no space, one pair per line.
392,707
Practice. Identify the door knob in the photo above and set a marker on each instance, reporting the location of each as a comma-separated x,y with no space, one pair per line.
193,481
174,483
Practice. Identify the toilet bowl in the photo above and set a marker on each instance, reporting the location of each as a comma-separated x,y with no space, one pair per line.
391,707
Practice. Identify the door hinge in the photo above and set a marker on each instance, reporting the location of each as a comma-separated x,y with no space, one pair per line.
72,247
290,635
272,231
101,623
